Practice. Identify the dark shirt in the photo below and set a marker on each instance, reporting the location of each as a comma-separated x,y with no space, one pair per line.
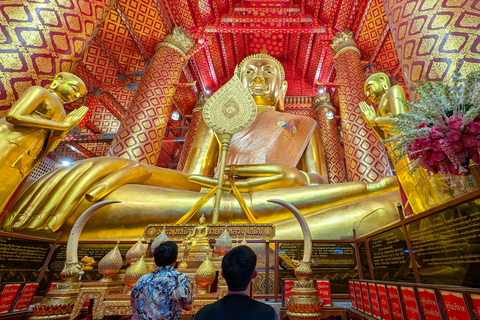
161,295
236,307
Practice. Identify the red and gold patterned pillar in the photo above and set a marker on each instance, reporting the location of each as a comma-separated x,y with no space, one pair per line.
433,37
39,39
365,156
197,117
141,133
325,114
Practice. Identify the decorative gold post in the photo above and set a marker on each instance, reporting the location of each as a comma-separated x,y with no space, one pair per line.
59,302
304,303
230,110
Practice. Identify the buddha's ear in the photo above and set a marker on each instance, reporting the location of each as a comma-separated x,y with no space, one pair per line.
56,81
281,96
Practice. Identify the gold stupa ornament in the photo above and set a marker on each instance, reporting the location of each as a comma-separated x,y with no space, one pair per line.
205,275
136,251
161,238
229,110
135,271
110,264
224,242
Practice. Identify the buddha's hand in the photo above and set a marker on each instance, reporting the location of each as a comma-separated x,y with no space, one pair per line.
256,177
368,113
75,117
51,199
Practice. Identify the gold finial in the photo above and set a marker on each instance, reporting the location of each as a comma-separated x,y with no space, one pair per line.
161,238
135,252
111,263
244,241
205,275
224,242
135,271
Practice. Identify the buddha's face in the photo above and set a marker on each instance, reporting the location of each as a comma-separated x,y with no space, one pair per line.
262,79
69,89
374,91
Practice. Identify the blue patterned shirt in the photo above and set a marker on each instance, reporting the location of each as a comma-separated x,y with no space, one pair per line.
161,294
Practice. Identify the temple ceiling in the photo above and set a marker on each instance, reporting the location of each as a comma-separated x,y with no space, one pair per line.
296,32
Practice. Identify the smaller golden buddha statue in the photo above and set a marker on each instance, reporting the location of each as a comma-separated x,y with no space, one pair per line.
197,240
391,100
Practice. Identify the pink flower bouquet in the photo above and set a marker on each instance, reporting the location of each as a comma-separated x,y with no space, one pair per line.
441,132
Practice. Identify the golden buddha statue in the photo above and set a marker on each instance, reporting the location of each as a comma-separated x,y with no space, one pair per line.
151,194
197,240
391,100
34,126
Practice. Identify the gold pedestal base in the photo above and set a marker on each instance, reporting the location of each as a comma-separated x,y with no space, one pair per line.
59,302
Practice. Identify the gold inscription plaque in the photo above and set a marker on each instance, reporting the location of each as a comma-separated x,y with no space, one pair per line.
178,232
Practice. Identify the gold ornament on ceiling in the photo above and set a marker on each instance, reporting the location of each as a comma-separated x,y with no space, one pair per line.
342,41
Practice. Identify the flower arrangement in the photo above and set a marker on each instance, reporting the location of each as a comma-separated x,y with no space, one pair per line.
441,132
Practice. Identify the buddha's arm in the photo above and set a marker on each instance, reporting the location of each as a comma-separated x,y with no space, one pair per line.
203,155
143,205
313,160
21,112
392,102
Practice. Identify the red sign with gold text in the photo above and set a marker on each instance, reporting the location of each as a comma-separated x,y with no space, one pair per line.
358,294
411,307
323,290
374,300
397,313
366,298
476,303
429,304
382,297
27,294
352,294
287,289
9,293
454,305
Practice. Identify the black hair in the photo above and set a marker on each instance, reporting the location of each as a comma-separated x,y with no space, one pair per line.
166,253
238,266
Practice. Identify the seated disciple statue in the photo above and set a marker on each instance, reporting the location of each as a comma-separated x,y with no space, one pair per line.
34,126
152,194
391,100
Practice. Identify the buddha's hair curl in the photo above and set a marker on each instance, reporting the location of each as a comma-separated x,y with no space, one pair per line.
262,56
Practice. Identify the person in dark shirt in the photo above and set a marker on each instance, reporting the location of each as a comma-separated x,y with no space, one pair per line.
238,269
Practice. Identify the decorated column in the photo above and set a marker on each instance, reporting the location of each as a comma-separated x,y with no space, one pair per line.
141,133
432,38
365,156
197,119
39,39
325,114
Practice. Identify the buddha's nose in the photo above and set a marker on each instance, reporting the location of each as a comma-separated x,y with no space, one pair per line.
258,80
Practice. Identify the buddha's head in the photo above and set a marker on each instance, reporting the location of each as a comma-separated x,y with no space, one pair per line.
202,220
376,86
68,87
264,77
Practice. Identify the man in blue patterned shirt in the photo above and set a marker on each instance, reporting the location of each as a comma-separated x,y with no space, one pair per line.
163,293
